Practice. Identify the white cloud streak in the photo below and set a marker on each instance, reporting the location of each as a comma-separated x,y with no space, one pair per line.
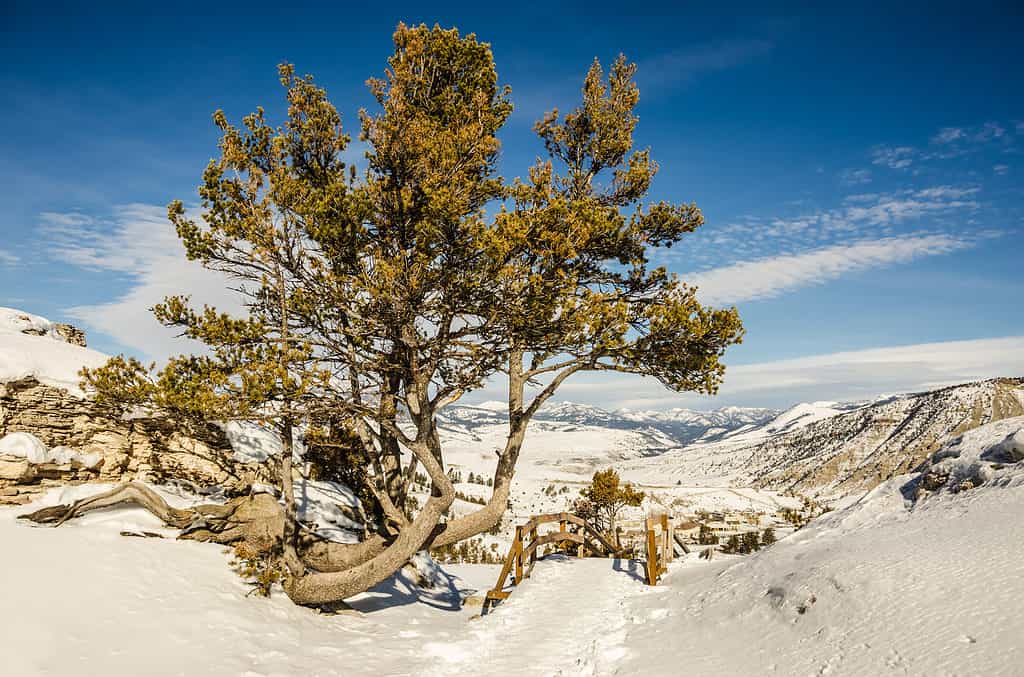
8,259
982,134
684,65
841,376
139,243
876,371
770,277
855,177
869,216
900,157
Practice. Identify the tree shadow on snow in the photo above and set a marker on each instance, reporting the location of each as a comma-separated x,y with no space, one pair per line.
633,567
400,590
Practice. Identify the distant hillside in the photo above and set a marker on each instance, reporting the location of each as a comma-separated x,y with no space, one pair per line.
859,449
830,449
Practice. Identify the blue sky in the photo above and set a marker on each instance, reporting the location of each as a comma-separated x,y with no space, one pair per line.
859,168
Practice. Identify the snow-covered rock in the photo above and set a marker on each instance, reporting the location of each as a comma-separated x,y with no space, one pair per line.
40,396
1010,450
332,507
973,459
31,346
24,445
31,448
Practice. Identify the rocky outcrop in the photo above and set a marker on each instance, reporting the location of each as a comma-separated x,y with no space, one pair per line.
154,449
33,325
70,334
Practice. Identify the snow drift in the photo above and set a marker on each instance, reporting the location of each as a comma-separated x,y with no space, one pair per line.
887,585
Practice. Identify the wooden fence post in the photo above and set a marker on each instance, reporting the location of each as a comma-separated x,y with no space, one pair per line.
652,558
533,555
671,540
666,553
519,556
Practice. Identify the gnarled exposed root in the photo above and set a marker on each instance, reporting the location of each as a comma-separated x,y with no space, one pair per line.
258,520
129,492
335,570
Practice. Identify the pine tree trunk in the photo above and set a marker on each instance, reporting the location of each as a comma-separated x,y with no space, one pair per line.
289,537
486,518
329,588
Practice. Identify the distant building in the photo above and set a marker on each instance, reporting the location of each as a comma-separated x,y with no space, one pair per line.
687,529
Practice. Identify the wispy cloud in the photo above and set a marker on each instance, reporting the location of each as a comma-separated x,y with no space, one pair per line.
56,221
682,66
896,368
863,216
138,242
850,375
985,133
8,259
946,144
899,157
770,277
855,177
656,75
948,135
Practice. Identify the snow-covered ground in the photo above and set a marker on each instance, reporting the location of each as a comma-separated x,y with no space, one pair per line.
876,588
882,586
84,600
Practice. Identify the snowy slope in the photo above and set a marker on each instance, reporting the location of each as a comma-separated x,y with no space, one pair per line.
812,452
881,587
42,354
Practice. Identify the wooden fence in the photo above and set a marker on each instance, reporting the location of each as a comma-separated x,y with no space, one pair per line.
523,555
661,544
574,530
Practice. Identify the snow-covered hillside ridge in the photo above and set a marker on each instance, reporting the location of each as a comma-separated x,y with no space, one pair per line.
887,585
681,426
837,453
32,346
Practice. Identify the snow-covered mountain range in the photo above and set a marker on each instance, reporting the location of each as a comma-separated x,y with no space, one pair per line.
682,426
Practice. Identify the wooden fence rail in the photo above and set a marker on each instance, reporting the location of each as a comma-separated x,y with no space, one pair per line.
572,529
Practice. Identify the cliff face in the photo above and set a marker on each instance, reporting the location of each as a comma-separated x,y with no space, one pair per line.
153,448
